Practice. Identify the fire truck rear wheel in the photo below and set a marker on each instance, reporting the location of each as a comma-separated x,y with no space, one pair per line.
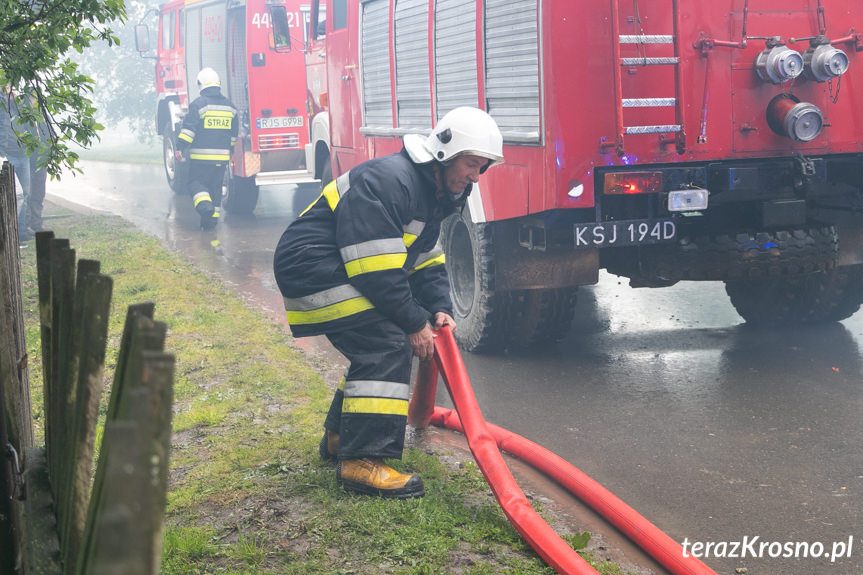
541,315
174,171
825,296
469,251
239,195
488,319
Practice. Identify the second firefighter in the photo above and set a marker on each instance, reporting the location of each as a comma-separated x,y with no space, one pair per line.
206,138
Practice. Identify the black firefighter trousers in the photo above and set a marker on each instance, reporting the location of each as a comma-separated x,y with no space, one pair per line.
205,178
369,410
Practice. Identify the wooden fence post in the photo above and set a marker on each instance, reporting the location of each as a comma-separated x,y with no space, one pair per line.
132,482
94,295
16,429
66,525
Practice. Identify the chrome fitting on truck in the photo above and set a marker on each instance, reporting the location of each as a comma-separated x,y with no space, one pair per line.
778,64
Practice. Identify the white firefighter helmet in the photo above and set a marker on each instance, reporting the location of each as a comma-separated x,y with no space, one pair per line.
461,131
208,78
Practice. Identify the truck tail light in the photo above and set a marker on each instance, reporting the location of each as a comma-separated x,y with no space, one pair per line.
800,121
272,142
632,183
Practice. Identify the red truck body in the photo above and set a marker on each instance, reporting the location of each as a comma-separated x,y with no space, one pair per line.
663,140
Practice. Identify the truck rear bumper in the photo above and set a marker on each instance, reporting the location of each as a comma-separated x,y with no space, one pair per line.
285,177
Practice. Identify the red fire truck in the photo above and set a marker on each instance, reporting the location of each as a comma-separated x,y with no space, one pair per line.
256,46
661,140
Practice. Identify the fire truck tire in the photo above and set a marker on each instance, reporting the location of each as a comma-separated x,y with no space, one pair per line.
175,172
477,308
489,319
327,172
541,315
239,195
824,296
744,255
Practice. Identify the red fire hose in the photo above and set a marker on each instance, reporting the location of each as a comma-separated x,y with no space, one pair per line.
512,500
486,440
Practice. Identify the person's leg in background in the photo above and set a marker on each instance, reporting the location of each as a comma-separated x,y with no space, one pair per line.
38,177
21,165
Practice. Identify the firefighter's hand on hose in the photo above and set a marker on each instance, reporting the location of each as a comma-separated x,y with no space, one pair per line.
422,343
441,319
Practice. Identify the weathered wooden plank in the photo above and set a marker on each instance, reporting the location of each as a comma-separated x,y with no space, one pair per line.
65,493
115,536
146,335
62,292
13,372
143,310
62,301
141,396
95,293
157,379
43,274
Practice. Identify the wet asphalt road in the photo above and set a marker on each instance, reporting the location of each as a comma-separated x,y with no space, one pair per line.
713,431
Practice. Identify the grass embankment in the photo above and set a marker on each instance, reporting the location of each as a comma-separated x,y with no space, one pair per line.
128,150
248,492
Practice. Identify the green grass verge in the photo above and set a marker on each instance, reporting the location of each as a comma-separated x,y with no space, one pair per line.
248,493
124,151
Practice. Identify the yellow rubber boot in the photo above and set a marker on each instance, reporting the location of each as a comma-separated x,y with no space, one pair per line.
374,477
329,446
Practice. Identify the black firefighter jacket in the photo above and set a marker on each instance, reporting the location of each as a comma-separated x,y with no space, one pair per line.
209,130
367,249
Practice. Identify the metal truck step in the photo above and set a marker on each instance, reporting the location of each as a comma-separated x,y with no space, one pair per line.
668,129
649,102
647,39
667,61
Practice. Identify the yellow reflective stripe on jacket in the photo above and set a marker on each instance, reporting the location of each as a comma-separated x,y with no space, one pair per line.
186,135
331,193
329,313
372,248
214,154
216,109
435,261
433,257
328,305
373,255
412,231
375,264
375,405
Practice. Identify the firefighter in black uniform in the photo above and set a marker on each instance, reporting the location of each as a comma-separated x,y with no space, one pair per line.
363,266
206,138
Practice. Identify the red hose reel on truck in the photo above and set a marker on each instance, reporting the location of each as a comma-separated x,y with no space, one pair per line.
486,441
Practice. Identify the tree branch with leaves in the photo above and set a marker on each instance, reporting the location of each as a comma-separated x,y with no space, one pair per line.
48,88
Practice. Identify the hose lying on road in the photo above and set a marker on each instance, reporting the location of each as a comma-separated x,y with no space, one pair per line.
541,537
467,418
